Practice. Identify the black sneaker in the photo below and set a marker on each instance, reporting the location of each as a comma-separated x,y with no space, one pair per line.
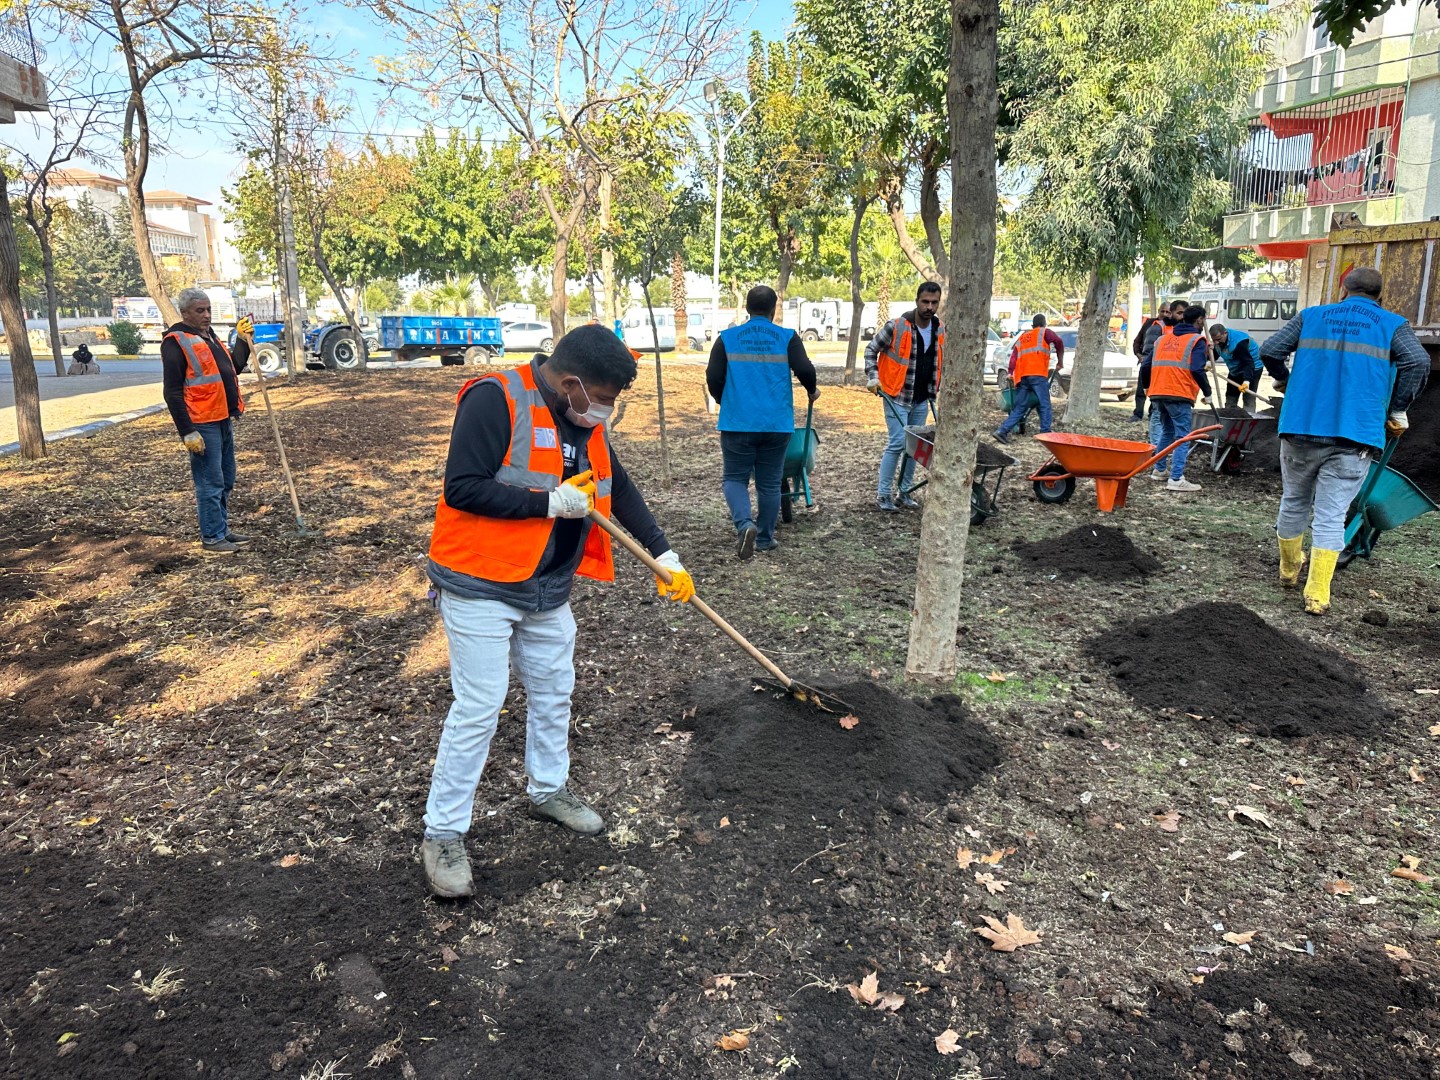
1000,437
746,545
219,547
238,538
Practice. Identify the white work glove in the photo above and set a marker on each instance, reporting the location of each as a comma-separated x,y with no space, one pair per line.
1396,424
568,501
1204,399
873,386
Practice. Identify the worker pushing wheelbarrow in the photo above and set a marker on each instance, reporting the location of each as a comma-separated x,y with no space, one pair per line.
990,466
1112,463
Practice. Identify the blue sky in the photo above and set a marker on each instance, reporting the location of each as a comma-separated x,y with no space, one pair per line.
206,148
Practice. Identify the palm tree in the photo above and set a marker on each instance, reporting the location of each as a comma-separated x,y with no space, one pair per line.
455,295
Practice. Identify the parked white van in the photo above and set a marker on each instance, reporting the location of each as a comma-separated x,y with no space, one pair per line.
640,333
1259,310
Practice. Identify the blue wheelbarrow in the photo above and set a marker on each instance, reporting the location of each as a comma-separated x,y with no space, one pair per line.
799,461
1388,499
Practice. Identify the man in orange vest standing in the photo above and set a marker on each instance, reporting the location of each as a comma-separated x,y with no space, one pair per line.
902,366
203,395
1177,374
1030,373
529,457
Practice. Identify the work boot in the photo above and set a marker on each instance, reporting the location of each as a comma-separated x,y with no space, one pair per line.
569,810
908,502
887,503
1292,560
1317,585
238,538
745,547
1181,484
1001,436
447,867
219,547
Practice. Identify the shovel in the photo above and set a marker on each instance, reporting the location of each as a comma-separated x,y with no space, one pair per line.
778,679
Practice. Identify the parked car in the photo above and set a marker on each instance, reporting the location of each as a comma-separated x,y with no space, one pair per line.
997,355
528,337
1118,372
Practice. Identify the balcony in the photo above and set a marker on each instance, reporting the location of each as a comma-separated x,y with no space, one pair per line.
21,87
1299,167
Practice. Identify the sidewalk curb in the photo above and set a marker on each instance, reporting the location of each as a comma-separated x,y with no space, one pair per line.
84,431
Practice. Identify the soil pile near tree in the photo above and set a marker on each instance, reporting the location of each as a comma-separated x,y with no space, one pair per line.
1418,455
1102,552
1224,662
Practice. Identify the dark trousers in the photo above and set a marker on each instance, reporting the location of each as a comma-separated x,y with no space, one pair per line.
214,475
1232,393
1141,385
760,454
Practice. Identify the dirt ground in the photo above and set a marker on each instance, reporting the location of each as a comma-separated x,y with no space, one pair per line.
212,774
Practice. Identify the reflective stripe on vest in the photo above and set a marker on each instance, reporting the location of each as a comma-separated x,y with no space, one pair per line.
1340,383
510,549
1032,355
757,394
205,399
1170,374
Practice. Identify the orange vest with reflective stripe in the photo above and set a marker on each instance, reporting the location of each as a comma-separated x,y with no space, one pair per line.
204,385
1032,355
510,549
895,361
1170,369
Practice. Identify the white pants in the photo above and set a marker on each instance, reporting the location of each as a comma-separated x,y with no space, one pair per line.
487,638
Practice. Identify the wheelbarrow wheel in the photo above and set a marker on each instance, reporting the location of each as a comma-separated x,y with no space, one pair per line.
1054,491
1232,463
787,503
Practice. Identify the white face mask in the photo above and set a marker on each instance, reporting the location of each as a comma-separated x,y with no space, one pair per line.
593,415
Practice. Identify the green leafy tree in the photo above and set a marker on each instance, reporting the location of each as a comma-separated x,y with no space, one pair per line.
1126,142
95,257
1343,19
383,294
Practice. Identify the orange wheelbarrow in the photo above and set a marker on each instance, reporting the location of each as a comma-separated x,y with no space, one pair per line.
1113,463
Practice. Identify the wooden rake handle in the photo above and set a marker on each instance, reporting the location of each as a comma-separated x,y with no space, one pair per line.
629,544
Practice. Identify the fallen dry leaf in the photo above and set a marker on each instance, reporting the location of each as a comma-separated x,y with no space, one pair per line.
972,832
995,677
1253,813
1168,821
849,722
1339,887
992,885
724,823
1397,952
948,1041
889,1001
1411,875
1295,781
1239,939
866,991
1109,745
85,822
448,955
993,859
1416,775
965,857
1412,861
1435,730
736,1040
1009,935
289,861
724,982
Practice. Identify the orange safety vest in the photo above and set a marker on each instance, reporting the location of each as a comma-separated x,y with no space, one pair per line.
510,549
895,361
1032,355
1170,369
204,385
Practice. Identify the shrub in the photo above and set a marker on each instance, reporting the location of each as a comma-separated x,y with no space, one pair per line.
125,336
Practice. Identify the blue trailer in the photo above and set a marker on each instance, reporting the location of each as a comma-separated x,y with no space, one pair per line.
455,339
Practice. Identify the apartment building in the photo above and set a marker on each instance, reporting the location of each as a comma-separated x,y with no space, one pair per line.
1339,132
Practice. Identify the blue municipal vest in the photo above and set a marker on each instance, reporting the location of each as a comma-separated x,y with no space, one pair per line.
1342,373
1232,342
757,395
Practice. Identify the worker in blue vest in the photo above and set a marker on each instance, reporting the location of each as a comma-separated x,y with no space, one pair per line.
1241,356
1357,368
749,375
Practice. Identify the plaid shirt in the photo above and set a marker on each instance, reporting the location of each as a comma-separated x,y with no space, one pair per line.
883,339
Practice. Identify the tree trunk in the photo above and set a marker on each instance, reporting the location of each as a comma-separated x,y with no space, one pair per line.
678,301
140,229
972,105
559,302
659,389
892,193
882,301
930,208
857,301
47,258
788,244
1086,371
22,361
607,253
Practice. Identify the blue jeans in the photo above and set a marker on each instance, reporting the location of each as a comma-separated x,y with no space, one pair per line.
1171,420
1036,387
487,638
214,476
897,418
761,454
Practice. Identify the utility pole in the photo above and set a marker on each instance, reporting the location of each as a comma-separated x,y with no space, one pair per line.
289,271
712,91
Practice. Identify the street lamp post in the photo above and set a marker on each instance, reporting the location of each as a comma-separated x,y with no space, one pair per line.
712,91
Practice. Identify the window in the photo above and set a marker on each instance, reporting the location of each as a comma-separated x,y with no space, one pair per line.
1235,310
1212,308
1264,309
1287,309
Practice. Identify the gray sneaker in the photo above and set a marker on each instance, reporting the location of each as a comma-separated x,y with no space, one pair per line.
219,547
447,868
571,811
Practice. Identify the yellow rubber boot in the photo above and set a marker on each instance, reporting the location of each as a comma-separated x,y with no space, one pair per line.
1317,585
1292,560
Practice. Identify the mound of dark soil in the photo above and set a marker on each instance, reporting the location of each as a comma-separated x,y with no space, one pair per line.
1418,455
1096,551
785,762
1353,1018
1185,662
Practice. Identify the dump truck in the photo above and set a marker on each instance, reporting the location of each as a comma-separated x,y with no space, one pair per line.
1408,258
